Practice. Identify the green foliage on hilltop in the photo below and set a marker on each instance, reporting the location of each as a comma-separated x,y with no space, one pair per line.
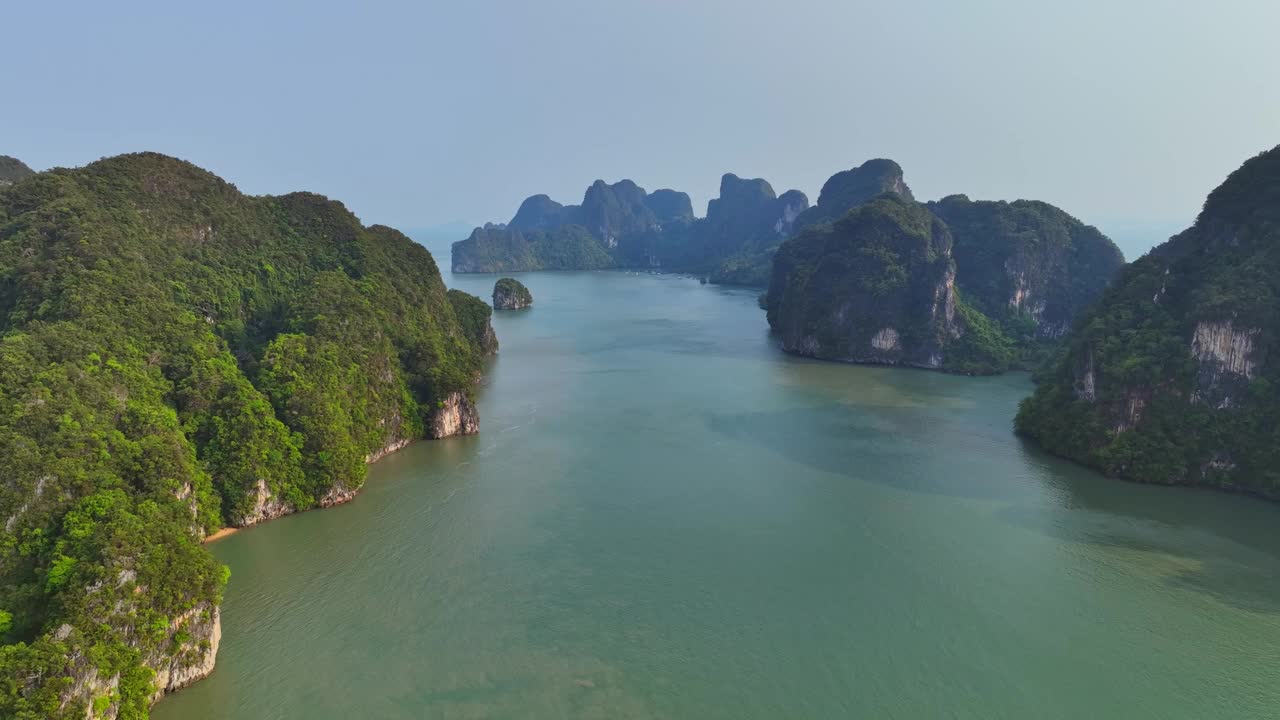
851,188
12,170
168,347
1027,264
875,286
870,287
512,290
982,348
475,317
751,263
1135,394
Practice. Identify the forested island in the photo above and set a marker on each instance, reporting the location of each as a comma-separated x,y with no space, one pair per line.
993,287
622,226
1172,377
961,286
175,358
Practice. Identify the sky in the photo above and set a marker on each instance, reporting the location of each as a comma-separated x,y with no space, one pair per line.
1125,113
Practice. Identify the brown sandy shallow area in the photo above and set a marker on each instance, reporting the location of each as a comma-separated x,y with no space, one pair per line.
219,534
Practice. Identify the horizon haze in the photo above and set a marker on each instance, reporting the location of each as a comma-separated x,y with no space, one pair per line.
421,115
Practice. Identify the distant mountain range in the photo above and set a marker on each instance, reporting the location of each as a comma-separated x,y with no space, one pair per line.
1016,273
622,225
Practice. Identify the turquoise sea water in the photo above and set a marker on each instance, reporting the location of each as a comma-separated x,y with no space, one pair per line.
665,517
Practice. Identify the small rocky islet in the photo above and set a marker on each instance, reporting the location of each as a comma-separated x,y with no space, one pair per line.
511,294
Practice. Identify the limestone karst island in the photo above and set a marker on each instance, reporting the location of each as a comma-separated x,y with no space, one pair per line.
887,361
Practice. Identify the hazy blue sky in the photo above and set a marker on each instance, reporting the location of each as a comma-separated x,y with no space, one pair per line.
1123,112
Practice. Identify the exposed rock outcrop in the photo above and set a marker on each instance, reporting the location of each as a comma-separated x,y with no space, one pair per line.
184,652
1027,261
196,635
455,415
1225,357
266,506
610,212
1172,377
790,206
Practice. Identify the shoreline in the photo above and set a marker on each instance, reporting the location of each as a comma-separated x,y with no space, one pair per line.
370,459
219,534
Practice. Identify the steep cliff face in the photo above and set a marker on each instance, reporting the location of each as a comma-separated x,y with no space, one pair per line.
877,286
790,206
1027,262
476,319
173,654
669,206
749,212
1172,377
743,203
610,212
177,357
743,227
455,415
1227,359
263,505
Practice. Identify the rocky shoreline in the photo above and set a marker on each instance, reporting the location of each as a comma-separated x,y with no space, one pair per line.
196,658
